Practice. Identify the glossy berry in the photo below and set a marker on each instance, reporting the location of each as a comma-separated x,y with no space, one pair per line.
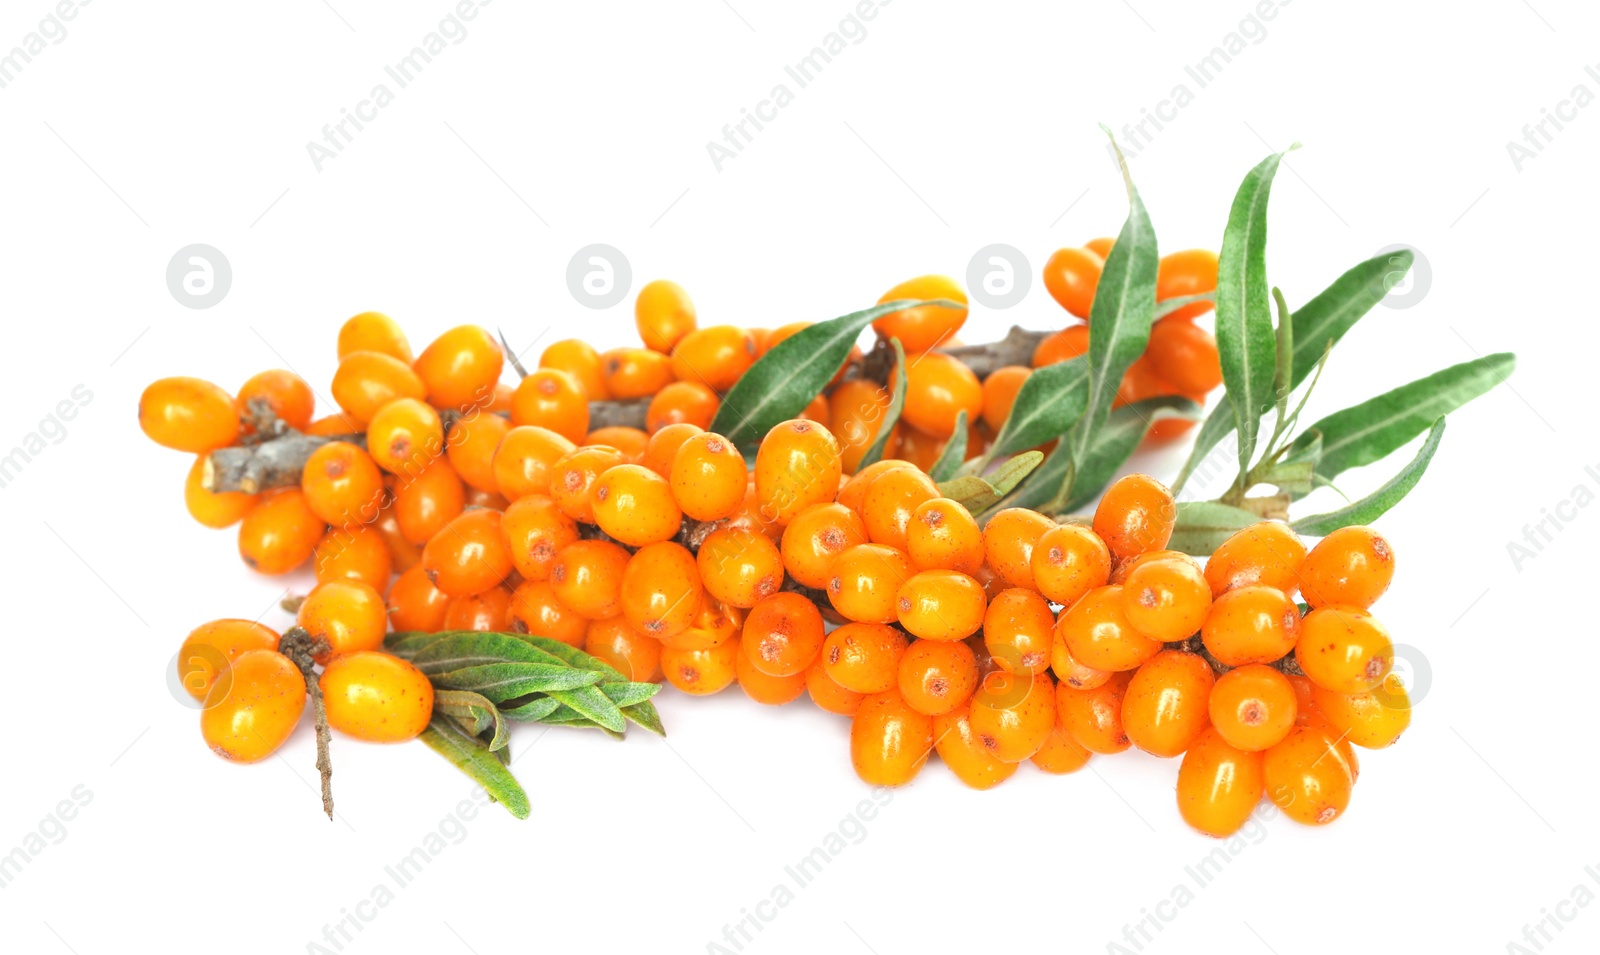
1344,649
536,609
663,314
817,536
1187,272
853,493
213,509
1251,625
461,367
1009,540
740,567
942,535
708,477
890,502
857,409
889,741
1184,355
938,388
1308,776
579,359
248,715
1014,714
280,532
636,656
587,577
662,446
702,672
1165,707
1071,276
487,612
925,326
828,695
865,582
416,604
765,688
1219,785
1069,561
1018,630
357,553
535,531
471,445
1137,514
572,479
714,625
1093,717
284,393
716,356
188,414
1352,566
783,635
961,749
1000,392
1374,719
864,657
1097,633
374,332
405,436
1064,345
525,460
347,615
682,402
425,502
1060,754
1166,600
941,605
469,555
552,399
797,466
1253,707
635,372
1268,553
661,590
936,677
210,648
634,505
376,697
365,381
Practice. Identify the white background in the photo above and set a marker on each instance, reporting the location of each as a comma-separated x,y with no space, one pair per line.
947,128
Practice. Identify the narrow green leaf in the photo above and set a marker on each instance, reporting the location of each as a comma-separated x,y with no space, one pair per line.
1244,317
473,757
591,703
1374,505
629,694
530,709
1204,525
1289,477
1049,403
977,494
465,648
504,681
780,385
645,715
954,453
567,653
1376,428
1115,443
1166,307
1283,362
474,712
1306,448
567,716
891,414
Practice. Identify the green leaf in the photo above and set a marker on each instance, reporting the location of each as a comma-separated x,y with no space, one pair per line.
1049,403
473,757
1290,477
977,494
891,414
780,385
645,715
1166,307
592,704
1283,357
1115,443
1203,526
1318,325
1376,428
1244,316
456,649
505,681
533,710
472,712
629,694
954,453
1374,505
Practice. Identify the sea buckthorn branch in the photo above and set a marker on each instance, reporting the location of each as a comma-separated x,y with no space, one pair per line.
302,649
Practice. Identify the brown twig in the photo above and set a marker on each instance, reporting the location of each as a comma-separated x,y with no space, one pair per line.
299,646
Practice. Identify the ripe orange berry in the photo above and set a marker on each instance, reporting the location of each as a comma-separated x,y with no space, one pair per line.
1219,785
715,357
634,505
1093,716
573,476
212,509
1068,561
461,367
348,614
469,555
925,326
661,589
797,466
1122,568
630,441
856,410
829,695
1308,776
587,577
663,314
1064,345
376,697
1013,714
1344,649
634,655
1137,514
941,605
1000,392
579,359
284,392
1352,566
525,458
416,604
763,687
740,567
890,501
280,532
1009,540
1165,706
635,372
1072,673
1268,553
702,672
403,555
365,381
353,553
1100,246
210,648
1060,754
1095,631
1071,276
1251,625
815,537
536,609
937,677
865,581
1189,272
471,445
960,748
535,532
708,477
188,414
552,399
374,332
1018,629
1184,355
662,447
783,635
425,503
1166,600
937,388
487,612
714,625
864,657
405,436
249,714
1253,707
688,402
889,741
1374,719
941,534
853,493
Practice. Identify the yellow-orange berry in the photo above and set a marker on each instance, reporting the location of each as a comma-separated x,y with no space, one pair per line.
1373,719
890,501
941,605
797,466
765,688
1060,753
1166,600
348,614
1219,785
1018,630
1165,706
210,648
702,672
552,399
214,509
1136,514
942,535
715,356
284,393
857,409
1096,632
1308,776
865,581
405,436
356,553
573,476
1344,649
889,741
250,713
634,655
634,505
663,313
587,577
471,446
864,657
579,359
936,677
1009,540
535,531
469,555
1093,716
783,635
1351,566
1000,393
280,532
708,477
740,567
188,414
682,402
536,609
1071,277
661,590
1268,553
366,381
416,604
635,372
662,446
1251,625
424,503
1069,561
374,332
827,694
938,388
376,697
461,367
714,625
817,536
1253,707
924,326
961,749
1013,714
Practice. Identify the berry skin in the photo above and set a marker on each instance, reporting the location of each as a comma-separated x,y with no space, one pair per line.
857,408
1137,514
783,635
1308,776
424,504
280,532
1219,785
552,399
853,494
864,657
663,313
708,477
938,387
1344,649
1013,715
416,604
349,615
937,677
1069,561
1268,553
1251,625
661,592
403,555
1351,566
635,372
1188,272
572,479
460,367
765,688
942,535
1253,707
188,414
1060,754
702,672
740,567
634,655
1071,276
715,357
815,537
357,553
470,447
250,713
797,466
889,741
925,326
375,332
536,609
211,648
1009,540
829,695
1184,355
961,750
634,505
469,555
1166,600
587,577
376,697
536,530
714,625
1064,345
1000,393
1095,632
682,402
1374,719
1100,246
941,605
1018,630
865,582
632,442
405,436
1093,717
285,392
890,502
579,359
1165,705
212,509
661,447
365,381
487,612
